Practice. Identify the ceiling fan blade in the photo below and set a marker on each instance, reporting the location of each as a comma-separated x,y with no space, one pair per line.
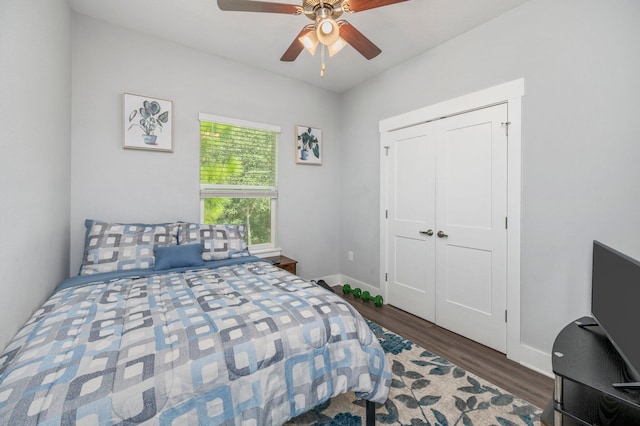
258,6
359,42
296,47
360,5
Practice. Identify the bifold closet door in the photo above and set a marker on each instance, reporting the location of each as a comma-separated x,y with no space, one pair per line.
446,236
471,210
411,217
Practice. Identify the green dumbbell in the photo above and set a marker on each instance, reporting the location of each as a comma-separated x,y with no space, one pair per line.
346,289
377,300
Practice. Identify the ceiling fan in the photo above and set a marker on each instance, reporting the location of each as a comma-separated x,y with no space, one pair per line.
325,30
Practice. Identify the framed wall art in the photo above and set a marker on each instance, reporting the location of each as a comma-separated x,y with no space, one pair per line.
308,145
147,123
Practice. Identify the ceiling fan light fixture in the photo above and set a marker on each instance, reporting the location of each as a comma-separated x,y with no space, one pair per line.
326,27
337,46
327,31
310,42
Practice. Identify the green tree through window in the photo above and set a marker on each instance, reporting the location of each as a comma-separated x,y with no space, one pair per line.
238,178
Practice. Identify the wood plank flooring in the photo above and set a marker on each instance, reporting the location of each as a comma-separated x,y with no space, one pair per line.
473,357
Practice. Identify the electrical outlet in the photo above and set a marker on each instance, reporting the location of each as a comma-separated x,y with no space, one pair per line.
350,256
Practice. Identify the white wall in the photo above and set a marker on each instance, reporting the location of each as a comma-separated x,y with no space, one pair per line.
581,143
114,184
35,108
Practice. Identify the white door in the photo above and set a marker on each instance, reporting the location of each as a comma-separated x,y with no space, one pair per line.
471,210
411,217
449,176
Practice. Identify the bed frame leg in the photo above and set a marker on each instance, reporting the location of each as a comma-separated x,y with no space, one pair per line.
371,413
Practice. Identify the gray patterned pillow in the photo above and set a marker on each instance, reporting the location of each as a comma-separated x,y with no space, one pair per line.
113,247
218,241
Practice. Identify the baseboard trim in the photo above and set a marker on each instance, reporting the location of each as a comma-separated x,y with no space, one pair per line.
340,279
332,280
534,359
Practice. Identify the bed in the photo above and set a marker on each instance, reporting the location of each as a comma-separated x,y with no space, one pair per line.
177,323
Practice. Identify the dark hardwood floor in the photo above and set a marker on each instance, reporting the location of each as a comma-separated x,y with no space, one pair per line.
473,357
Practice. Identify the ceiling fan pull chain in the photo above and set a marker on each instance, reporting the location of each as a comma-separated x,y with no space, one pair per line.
322,58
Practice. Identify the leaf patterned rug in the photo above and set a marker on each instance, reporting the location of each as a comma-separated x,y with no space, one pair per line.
427,390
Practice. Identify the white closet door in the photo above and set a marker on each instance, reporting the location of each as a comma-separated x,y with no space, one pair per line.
411,215
471,206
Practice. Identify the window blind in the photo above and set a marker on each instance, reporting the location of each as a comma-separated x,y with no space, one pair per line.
259,192
237,156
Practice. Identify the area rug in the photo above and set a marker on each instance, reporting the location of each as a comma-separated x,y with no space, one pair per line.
427,390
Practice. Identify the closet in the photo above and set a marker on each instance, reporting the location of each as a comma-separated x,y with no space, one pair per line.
445,225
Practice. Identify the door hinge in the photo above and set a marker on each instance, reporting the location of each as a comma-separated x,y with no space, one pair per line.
386,214
505,124
506,222
386,277
386,151
505,315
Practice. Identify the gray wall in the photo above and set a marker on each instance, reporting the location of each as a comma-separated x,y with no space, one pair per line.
114,184
581,143
35,107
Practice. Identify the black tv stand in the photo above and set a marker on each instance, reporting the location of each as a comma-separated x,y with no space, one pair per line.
629,385
587,366
587,325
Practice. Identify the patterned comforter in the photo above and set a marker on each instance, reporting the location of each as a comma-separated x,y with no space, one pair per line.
241,344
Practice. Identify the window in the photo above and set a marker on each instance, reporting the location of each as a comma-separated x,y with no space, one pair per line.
238,180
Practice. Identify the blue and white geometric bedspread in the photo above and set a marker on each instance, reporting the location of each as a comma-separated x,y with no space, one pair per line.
242,344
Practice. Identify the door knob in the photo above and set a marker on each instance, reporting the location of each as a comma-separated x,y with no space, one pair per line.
441,234
429,232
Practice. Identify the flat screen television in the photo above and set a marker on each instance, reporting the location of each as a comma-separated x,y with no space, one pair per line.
615,305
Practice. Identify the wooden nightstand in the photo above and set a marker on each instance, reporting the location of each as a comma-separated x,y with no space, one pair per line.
283,262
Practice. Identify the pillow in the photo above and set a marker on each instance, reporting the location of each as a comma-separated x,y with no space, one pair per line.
113,247
178,256
219,242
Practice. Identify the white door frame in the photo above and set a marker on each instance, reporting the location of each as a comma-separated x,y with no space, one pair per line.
510,93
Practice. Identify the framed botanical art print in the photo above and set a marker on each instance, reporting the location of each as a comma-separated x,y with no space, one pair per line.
308,145
147,123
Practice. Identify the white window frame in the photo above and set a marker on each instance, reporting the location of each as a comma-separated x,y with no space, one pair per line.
233,191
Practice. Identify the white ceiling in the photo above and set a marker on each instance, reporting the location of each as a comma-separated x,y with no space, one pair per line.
402,31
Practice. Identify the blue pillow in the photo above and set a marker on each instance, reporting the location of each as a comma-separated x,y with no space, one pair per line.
178,256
